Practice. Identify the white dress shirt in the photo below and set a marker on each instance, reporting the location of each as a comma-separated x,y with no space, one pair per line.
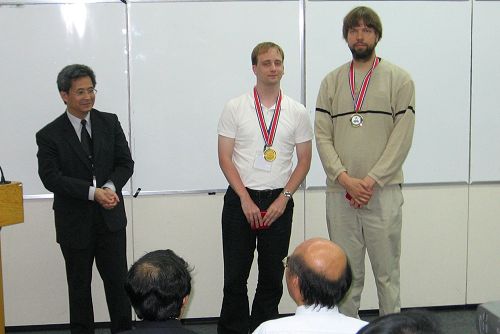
76,122
312,319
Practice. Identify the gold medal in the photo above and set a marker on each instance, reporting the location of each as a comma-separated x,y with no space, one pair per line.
356,120
270,154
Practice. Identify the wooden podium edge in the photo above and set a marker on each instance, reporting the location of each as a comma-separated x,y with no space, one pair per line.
11,204
2,310
11,212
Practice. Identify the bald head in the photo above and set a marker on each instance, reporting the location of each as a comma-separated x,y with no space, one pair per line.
322,272
323,257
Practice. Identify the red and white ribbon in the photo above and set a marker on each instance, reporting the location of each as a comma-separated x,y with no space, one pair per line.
358,102
267,134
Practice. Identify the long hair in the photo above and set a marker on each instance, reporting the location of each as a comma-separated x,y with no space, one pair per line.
369,17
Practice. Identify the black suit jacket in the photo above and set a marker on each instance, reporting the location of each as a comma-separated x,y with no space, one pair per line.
171,326
65,170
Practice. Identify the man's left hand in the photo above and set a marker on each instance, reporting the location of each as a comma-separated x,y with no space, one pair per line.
275,210
368,183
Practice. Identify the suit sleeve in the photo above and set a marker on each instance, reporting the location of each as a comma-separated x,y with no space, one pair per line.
123,165
51,173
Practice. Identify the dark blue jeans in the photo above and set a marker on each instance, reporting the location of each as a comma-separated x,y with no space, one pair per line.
239,243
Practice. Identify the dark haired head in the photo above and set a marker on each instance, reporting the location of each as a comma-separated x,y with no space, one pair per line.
157,285
72,72
316,288
364,15
410,322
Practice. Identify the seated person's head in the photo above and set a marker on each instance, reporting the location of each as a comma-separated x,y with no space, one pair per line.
410,322
318,273
158,285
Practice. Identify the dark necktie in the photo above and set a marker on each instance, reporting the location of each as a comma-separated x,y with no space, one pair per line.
86,140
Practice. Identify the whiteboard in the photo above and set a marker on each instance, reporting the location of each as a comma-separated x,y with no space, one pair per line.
183,71
432,42
485,119
37,42
187,59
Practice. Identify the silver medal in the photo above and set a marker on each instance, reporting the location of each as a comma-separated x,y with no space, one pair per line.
356,120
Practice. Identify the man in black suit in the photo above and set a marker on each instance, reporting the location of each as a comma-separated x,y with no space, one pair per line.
158,285
84,159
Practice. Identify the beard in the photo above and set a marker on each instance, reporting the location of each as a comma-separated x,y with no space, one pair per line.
362,54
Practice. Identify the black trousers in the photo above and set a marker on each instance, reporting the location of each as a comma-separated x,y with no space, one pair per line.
109,251
239,243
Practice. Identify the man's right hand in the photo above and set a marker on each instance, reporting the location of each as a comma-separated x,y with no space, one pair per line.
107,198
252,212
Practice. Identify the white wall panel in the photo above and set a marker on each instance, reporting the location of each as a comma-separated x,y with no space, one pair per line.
483,265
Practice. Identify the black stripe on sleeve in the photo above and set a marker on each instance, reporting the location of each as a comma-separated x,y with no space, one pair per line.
403,111
323,110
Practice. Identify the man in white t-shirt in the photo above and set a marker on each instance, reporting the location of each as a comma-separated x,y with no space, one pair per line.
318,276
258,133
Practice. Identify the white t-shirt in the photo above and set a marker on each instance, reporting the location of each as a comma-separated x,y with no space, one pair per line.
311,319
239,121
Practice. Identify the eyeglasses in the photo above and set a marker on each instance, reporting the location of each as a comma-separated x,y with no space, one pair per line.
82,92
285,261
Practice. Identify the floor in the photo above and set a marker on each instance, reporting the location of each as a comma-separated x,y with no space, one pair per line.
453,320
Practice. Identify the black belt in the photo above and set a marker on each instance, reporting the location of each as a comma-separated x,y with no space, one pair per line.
268,193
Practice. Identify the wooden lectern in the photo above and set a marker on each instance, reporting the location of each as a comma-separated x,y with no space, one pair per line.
11,212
